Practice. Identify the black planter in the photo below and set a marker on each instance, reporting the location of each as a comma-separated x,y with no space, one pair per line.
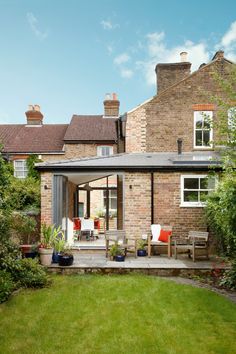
31,255
142,253
65,260
119,258
55,257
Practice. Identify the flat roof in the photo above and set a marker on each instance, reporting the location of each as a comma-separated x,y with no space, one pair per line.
138,161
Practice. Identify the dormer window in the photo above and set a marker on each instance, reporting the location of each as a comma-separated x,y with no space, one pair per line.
203,133
20,168
104,150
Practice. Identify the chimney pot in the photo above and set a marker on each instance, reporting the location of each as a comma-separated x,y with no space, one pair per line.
183,57
107,97
30,107
114,96
37,107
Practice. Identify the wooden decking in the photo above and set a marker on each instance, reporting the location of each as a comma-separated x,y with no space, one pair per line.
159,265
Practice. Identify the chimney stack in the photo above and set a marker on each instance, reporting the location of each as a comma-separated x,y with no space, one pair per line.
219,55
170,73
34,115
111,106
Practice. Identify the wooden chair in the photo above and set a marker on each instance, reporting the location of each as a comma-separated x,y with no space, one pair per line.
153,238
196,240
129,244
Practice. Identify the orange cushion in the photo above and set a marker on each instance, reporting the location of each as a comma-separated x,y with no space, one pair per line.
164,236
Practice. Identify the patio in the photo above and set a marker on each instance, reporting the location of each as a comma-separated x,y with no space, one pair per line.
89,262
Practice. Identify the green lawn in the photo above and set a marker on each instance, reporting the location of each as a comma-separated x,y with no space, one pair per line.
117,314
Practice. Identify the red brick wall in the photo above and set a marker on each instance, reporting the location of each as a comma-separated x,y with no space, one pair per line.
167,210
137,203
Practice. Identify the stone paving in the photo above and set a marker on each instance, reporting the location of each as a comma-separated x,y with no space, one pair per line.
98,260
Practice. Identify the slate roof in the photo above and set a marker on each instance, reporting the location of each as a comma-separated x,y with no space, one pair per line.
20,138
137,161
91,128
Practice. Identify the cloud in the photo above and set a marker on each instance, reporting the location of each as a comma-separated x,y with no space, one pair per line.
158,52
33,22
121,59
228,42
110,49
230,35
126,73
108,25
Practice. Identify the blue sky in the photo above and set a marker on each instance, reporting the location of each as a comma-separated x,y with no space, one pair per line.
66,55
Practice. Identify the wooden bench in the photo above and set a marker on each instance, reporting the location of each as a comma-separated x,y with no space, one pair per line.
196,240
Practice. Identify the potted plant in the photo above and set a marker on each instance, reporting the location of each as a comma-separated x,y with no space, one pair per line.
58,247
117,253
49,233
141,245
66,258
24,227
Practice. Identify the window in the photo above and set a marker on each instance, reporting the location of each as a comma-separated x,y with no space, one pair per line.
195,188
203,133
104,150
112,200
20,168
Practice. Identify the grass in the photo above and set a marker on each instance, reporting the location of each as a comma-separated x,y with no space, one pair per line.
117,314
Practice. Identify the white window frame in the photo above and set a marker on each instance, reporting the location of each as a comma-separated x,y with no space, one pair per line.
23,169
196,117
198,204
110,197
100,147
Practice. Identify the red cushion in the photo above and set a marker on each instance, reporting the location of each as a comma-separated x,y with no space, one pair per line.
164,236
77,224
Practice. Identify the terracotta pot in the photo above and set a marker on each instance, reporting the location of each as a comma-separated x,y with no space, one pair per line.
45,256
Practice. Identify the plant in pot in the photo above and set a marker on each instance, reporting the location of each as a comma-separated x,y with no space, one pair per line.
24,228
49,233
117,253
66,258
58,247
141,246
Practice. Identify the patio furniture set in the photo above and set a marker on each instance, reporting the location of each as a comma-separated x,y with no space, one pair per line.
86,227
161,236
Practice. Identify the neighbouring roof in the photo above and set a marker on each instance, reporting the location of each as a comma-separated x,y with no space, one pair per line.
137,161
91,128
21,138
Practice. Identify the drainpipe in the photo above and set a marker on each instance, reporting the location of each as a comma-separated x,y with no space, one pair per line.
152,198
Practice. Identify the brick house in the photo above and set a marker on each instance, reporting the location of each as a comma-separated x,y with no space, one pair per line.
169,149
84,136
162,176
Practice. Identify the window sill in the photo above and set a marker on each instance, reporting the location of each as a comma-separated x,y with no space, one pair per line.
189,205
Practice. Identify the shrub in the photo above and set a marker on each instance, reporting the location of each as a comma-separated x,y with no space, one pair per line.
6,285
229,278
221,213
31,274
9,256
23,194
